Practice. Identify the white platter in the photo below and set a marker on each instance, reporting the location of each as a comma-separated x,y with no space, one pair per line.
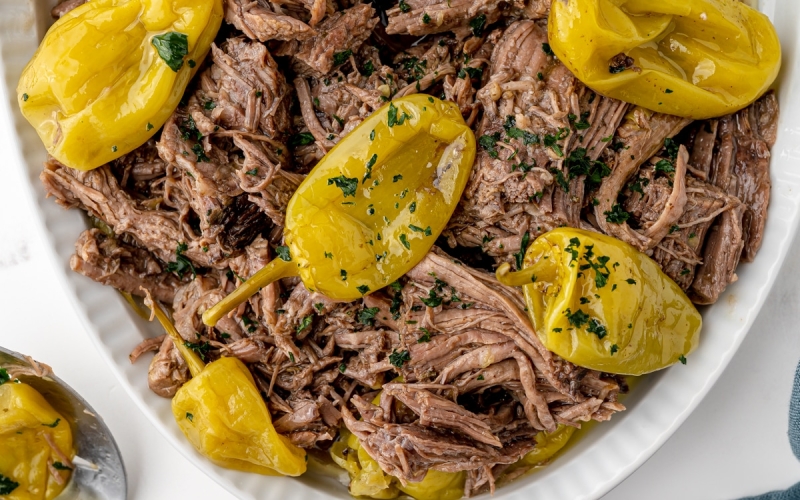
590,468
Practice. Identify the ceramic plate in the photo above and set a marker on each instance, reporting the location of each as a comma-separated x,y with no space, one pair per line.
589,468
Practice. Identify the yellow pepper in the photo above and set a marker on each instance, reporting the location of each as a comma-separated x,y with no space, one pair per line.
692,58
600,303
25,418
374,205
548,444
109,73
368,480
222,414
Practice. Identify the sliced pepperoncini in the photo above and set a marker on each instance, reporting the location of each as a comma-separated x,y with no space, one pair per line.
109,73
601,304
374,205
692,58
25,418
222,414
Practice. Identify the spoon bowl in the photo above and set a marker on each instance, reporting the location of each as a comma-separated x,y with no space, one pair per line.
99,472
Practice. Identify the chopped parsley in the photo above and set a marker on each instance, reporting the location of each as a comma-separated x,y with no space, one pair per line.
579,163
341,57
304,323
369,165
551,141
60,466
432,300
343,274
480,377
404,7
513,132
328,255
189,417
412,207
397,177
520,256
671,147
253,172
665,166
668,91
25,97
682,359
488,142
172,47
674,229
577,318
425,337
393,118
7,485
557,330
417,229
4,376
149,127
476,24
614,349
617,215
426,18
113,149
362,289
182,265
548,50
368,68
342,368
366,316
198,150
348,185
684,271
399,358
404,241
560,179
209,105
630,281
283,253
54,424
301,139
596,328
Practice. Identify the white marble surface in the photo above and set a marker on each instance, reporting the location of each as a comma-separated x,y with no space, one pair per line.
734,444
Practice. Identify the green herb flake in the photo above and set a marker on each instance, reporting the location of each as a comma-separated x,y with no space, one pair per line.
362,289
630,281
172,47
488,143
60,466
426,18
348,185
476,24
399,358
369,165
182,265
614,349
149,127
404,241
366,316
425,337
202,348
668,91
596,328
189,417
54,424
404,7
684,271
301,139
342,368
304,323
665,166
372,135
520,256
412,207
557,330
397,177
617,215
252,172
283,253
343,274
577,318
25,97
341,57
682,359
548,50
328,255
4,376
7,485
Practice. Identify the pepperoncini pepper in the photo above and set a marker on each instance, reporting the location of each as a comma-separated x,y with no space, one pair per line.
220,411
692,58
600,303
374,205
109,73
368,480
25,418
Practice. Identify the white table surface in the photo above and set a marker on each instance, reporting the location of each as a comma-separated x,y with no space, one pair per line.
734,444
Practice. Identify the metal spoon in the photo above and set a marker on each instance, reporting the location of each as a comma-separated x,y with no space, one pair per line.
99,472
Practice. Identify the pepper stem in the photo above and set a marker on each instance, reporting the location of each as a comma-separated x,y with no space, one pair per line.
273,271
519,278
193,361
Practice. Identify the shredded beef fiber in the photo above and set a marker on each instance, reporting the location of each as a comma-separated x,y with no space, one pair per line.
466,383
